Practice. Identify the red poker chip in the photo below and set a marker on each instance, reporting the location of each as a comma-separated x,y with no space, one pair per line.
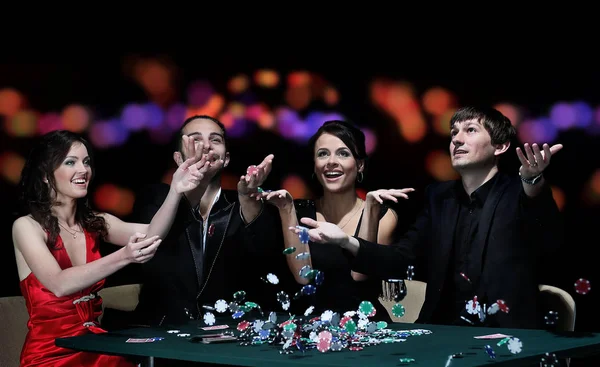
582,286
502,306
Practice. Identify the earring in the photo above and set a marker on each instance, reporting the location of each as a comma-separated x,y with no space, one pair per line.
359,177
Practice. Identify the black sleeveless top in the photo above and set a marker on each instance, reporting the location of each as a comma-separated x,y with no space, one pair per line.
338,292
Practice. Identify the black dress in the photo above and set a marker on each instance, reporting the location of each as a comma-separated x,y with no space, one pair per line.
338,292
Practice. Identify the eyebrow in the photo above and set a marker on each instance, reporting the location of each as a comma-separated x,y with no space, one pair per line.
200,134
74,157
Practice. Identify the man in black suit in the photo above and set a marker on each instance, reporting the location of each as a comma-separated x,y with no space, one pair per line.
482,236
220,241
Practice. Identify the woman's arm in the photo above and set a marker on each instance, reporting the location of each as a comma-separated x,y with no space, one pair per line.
32,255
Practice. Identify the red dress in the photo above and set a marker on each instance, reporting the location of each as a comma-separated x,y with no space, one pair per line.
52,317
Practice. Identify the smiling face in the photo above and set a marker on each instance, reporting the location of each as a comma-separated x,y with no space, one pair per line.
335,166
211,135
74,173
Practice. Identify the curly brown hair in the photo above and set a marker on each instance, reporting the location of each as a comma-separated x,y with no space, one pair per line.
35,192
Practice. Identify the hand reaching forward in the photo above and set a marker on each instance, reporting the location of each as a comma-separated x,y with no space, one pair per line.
378,196
534,161
191,173
322,232
141,249
281,199
255,176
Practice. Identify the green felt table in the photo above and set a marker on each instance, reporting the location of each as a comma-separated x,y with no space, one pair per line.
427,350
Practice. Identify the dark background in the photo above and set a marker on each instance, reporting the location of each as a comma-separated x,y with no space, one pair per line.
531,80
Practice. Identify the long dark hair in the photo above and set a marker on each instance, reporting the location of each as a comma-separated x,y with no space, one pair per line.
35,195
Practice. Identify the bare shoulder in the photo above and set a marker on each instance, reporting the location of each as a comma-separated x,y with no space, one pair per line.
26,226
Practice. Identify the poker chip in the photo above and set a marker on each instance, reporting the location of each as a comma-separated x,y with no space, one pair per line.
323,345
319,277
183,335
239,296
252,170
398,310
582,286
490,352
238,314
289,250
502,306
309,310
209,318
308,290
473,307
304,271
350,326
303,256
221,306
515,345
243,325
551,317
367,308
326,316
493,309
172,331
410,272
272,278
303,235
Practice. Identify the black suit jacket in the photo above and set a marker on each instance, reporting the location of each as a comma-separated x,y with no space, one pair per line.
515,234
180,277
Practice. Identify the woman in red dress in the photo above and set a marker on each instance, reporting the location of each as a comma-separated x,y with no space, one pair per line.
60,267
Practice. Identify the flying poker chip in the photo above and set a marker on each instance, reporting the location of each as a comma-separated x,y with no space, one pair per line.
398,310
582,286
502,306
551,317
258,326
490,352
285,305
304,271
515,346
308,290
303,256
239,296
309,310
473,307
325,335
209,318
336,346
319,277
252,170
350,313
183,335
238,314
289,250
271,279
493,309
221,306
410,272
172,331
326,316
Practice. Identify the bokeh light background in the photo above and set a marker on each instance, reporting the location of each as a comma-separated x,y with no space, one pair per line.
275,110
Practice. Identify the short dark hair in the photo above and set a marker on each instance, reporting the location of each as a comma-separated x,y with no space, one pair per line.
495,123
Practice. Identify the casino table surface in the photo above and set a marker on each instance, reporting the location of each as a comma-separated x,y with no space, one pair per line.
433,349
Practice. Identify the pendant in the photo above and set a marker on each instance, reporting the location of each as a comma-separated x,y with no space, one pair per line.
74,236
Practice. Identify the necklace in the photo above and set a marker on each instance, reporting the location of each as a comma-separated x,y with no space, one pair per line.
73,233
354,211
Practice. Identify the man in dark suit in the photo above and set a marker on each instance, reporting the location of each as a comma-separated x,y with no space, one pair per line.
220,241
482,238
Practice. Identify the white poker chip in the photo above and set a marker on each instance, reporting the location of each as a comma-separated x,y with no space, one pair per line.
183,335
209,318
221,306
350,313
272,278
309,310
172,331
473,308
493,309
515,345
285,306
326,316
258,325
